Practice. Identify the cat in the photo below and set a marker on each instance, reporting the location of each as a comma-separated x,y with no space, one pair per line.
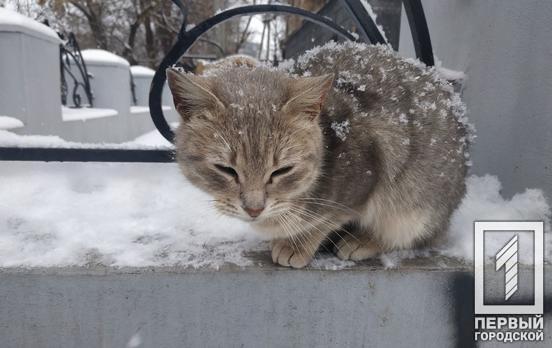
350,141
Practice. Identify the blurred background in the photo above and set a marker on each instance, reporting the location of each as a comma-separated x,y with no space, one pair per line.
143,31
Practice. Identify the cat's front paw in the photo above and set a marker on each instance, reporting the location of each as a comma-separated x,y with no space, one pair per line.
356,249
285,253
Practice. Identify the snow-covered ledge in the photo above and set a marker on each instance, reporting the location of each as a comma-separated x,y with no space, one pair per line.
116,255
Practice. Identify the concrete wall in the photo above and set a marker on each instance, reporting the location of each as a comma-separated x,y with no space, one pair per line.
29,73
30,88
425,303
504,47
142,80
110,81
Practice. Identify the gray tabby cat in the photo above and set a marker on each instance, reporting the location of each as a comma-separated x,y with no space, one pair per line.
353,141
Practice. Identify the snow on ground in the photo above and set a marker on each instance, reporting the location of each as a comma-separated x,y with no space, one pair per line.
114,214
60,214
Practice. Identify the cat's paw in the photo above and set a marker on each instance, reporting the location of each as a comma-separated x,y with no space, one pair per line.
286,254
356,249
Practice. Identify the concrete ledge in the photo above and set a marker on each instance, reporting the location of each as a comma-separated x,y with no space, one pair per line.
427,302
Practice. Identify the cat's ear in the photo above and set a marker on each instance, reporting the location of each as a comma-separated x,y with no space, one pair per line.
307,95
191,93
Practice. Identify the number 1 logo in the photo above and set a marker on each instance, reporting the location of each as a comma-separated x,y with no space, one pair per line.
507,257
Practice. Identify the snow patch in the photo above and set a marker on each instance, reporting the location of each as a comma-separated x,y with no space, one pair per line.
102,57
341,129
9,139
135,341
81,114
484,202
153,139
325,261
7,122
141,71
11,21
451,75
137,109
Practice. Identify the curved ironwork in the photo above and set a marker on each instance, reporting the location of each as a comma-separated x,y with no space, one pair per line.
187,38
366,26
133,89
417,22
420,31
368,30
69,55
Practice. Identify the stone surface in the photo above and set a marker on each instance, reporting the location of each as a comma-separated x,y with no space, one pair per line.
424,303
504,48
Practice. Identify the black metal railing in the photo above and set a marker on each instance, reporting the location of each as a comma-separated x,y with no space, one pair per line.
72,64
186,38
133,89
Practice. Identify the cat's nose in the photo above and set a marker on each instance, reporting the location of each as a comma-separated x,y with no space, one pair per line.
253,212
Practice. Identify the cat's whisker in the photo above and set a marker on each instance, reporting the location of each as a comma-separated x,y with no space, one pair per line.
328,201
325,235
325,221
292,236
323,204
284,223
304,236
303,220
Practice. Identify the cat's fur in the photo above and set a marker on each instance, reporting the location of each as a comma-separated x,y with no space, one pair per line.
375,145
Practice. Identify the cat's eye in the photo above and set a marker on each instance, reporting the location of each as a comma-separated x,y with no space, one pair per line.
281,171
227,170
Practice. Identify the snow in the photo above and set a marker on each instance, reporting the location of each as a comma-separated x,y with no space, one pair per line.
7,122
115,214
153,138
11,21
145,109
451,75
102,57
374,17
142,71
329,262
484,202
81,114
135,341
341,129
446,73
9,139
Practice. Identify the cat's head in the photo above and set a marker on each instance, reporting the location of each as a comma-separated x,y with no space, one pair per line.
250,137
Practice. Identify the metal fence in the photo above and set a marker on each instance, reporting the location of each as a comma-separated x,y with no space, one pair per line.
367,30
